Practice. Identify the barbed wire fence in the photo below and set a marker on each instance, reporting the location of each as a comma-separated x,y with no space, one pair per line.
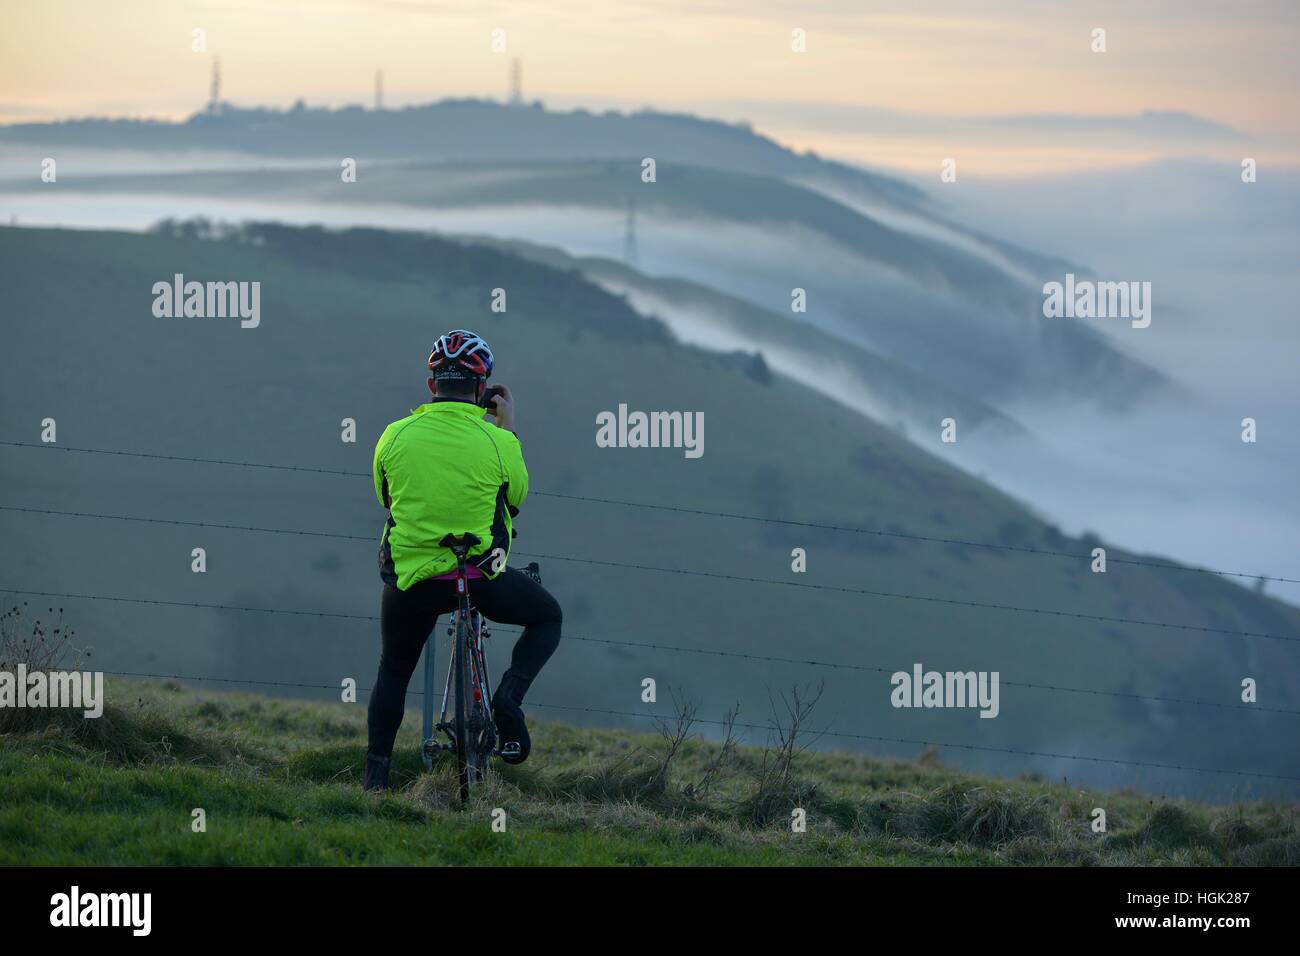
1048,688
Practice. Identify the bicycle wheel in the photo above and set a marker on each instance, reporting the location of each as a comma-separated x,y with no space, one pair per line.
464,693
482,730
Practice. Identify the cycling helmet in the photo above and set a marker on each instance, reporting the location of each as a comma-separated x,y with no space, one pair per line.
460,354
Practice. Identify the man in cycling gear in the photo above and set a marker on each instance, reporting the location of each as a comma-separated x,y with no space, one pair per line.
444,469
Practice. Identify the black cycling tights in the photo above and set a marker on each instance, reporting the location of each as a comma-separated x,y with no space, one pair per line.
406,618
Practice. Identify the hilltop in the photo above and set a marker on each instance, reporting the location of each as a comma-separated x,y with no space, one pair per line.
466,129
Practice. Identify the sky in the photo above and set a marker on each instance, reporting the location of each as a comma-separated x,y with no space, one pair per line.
895,83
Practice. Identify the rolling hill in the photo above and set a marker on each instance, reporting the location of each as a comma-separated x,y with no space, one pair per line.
731,210
346,321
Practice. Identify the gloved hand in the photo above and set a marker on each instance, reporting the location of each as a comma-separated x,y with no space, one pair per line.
502,405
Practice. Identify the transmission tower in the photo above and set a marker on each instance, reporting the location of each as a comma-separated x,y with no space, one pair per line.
214,93
516,83
629,235
379,90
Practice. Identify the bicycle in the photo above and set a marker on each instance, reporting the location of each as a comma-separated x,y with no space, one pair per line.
469,726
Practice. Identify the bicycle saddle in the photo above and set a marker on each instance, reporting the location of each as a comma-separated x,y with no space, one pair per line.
459,543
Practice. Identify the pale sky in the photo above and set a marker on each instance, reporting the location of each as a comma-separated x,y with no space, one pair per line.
1231,62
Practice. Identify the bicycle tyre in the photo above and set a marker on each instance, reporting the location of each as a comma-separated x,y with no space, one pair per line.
479,708
464,693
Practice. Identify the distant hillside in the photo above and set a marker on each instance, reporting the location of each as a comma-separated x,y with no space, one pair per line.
937,308
347,319
460,130
885,390
279,782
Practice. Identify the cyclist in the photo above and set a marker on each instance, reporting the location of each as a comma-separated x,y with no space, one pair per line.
444,469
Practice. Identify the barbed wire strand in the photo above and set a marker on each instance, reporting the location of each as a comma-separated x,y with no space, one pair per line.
690,572
713,652
729,515
701,512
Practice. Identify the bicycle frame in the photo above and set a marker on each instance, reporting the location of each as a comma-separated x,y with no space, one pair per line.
468,687
477,630
466,712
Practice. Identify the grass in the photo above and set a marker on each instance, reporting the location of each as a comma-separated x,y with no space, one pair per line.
279,783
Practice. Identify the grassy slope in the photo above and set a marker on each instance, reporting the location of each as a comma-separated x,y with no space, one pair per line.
279,783
343,315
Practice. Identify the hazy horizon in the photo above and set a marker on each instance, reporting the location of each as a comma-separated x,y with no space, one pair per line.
901,86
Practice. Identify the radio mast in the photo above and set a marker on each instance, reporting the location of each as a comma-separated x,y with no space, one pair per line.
629,234
214,92
516,83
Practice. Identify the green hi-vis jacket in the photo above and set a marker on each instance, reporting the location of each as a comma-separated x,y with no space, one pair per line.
443,469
